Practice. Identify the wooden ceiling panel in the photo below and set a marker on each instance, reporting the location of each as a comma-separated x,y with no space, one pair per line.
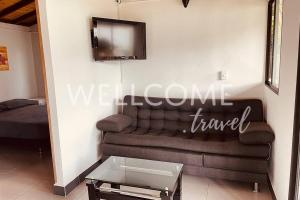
6,3
20,12
29,21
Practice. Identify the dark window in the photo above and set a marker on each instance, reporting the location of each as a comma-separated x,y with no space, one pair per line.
274,44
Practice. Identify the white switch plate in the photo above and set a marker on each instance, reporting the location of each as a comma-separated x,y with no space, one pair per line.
223,75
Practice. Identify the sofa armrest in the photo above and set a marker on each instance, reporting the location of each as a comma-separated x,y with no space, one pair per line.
114,123
257,133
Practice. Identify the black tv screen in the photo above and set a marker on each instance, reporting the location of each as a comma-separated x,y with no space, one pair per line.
118,39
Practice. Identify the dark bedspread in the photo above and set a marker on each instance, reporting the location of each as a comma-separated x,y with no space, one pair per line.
29,122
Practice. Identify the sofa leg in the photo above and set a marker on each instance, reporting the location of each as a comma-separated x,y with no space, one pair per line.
256,187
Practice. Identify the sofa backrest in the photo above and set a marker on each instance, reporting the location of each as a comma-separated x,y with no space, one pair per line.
153,113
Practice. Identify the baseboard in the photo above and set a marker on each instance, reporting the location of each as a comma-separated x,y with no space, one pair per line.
64,191
271,189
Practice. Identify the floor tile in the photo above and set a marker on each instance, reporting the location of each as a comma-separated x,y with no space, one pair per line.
229,190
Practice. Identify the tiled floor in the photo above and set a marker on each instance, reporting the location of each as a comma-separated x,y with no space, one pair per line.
24,176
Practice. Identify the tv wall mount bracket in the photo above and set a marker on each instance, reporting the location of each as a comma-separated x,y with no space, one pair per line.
185,2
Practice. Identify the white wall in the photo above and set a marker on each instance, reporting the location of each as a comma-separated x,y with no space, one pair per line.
69,61
280,108
20,80
37,61
191,45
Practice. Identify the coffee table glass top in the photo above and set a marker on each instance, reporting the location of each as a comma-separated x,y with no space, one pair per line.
140,173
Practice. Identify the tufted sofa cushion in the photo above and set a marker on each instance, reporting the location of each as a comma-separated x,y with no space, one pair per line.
161,114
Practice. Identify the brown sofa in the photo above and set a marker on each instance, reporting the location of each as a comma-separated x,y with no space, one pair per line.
163,132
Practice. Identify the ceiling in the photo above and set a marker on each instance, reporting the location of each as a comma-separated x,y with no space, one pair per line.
20,12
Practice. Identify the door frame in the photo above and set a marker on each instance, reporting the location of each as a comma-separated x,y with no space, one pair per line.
42,54
295,162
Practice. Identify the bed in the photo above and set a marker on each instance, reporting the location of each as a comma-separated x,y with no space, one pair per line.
23,119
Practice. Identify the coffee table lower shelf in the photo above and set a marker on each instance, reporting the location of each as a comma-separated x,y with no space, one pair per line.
97,192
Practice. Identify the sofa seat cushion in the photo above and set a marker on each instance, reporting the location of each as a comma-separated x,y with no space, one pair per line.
235,163
230,146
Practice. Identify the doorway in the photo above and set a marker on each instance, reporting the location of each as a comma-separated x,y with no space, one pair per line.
25,144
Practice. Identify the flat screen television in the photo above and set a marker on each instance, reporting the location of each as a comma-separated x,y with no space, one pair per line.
118,39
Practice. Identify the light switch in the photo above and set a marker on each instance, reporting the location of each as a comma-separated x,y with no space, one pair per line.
223,75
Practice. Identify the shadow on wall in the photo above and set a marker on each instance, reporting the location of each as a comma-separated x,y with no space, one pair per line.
182,90
249,91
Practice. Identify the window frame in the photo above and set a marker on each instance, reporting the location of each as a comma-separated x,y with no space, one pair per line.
270,50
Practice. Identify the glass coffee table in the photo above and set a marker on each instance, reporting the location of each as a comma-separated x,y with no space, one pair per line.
135,179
